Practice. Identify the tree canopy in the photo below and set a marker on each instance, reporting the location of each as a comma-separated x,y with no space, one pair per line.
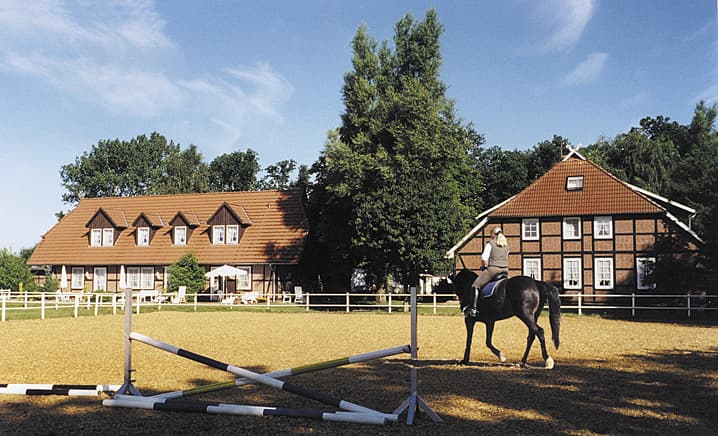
13,271
391,188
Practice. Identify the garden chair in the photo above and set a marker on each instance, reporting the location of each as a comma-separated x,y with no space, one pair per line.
180,297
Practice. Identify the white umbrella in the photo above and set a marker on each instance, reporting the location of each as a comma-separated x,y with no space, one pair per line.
63,278
123,281
226,271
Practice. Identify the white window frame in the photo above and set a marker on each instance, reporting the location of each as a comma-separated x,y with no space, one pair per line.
574,183
96,238
565,227
99,279
527,230
78,277
218,235
533,264
143,236
147,277
133,277
641,272
180,235
244,281
603,272
108,237
572,265
232,234
601,224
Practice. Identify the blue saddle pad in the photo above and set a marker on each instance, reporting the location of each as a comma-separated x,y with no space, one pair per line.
488,289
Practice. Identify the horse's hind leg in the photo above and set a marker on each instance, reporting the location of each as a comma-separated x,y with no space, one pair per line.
535,331
489,344
469,335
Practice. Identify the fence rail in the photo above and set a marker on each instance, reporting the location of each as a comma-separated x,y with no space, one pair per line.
28,303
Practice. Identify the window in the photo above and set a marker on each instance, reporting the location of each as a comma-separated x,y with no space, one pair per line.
530,229
603,227
108,237
644,272
574,183
78,278
181,235
572,228
603,273
532,268
96,238
143,236
133,277
244,281
572,273
99,279
218,234
233,234
147,278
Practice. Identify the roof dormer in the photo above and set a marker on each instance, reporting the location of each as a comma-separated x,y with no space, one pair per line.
228,223
105,225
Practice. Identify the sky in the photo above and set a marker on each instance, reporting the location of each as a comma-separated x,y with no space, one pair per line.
227,75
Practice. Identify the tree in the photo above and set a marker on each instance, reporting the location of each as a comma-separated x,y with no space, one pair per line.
236,171
186,272
278,175
139,166
13,271
391,180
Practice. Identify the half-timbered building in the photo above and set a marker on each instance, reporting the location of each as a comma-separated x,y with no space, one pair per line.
583,229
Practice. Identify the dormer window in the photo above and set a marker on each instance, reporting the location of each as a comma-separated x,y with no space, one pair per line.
233,234
218,235
181,235
96,238
108,237
143,236
102,237
574,183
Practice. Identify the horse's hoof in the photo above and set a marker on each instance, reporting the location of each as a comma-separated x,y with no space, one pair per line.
549,363
502,357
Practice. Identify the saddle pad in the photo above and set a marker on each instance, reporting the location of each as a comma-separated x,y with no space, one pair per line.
488,290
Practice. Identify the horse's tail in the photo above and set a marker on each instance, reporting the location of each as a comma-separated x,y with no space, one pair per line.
554,311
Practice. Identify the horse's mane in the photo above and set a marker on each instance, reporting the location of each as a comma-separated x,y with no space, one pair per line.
463,280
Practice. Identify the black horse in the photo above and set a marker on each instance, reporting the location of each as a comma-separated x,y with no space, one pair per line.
519,296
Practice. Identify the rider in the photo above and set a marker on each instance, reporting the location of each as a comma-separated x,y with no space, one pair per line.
494,260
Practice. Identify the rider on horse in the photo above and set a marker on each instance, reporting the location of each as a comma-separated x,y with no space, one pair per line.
494,262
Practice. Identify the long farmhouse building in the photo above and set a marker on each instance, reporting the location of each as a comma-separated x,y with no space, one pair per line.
583,229
261,232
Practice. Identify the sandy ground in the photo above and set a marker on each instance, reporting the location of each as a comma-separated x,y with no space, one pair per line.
611,376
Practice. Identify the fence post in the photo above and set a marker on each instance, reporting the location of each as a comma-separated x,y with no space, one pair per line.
389,302
434,295
114,304
139,303
42,305
77,304
688,296
267,300
195,302
306,300
579,303
633,304
2,297
347,302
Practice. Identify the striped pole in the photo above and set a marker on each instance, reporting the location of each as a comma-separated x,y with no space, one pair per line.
259,378
57,389
237,409
291,371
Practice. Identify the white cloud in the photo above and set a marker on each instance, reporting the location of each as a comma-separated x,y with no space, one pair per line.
587,71
566,20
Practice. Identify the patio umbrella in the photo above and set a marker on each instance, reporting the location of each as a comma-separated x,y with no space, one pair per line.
63,278
123,280
225,271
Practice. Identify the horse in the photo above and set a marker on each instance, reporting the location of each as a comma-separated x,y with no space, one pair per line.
519,296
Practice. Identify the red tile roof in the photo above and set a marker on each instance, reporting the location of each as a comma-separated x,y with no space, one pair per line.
602,194
276,234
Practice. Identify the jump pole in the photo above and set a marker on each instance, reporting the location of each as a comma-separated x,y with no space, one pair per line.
291,371
57,389
259,378
127,386
414,402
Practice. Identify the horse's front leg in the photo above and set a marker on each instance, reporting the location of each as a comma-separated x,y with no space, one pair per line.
489,335
469,321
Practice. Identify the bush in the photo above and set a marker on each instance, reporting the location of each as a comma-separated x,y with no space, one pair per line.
186,272
13,271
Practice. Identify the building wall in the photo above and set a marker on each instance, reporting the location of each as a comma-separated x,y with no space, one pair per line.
633,236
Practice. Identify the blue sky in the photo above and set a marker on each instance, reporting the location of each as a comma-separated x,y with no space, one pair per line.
267,75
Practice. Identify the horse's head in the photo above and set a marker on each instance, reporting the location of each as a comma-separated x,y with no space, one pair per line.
462,281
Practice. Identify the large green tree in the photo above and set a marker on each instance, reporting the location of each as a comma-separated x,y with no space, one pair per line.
394,181
143,165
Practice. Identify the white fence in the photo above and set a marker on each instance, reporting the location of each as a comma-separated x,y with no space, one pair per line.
10,302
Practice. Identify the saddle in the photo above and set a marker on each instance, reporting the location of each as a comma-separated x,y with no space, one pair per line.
488,290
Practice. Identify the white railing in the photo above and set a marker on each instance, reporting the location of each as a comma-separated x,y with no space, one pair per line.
104,302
